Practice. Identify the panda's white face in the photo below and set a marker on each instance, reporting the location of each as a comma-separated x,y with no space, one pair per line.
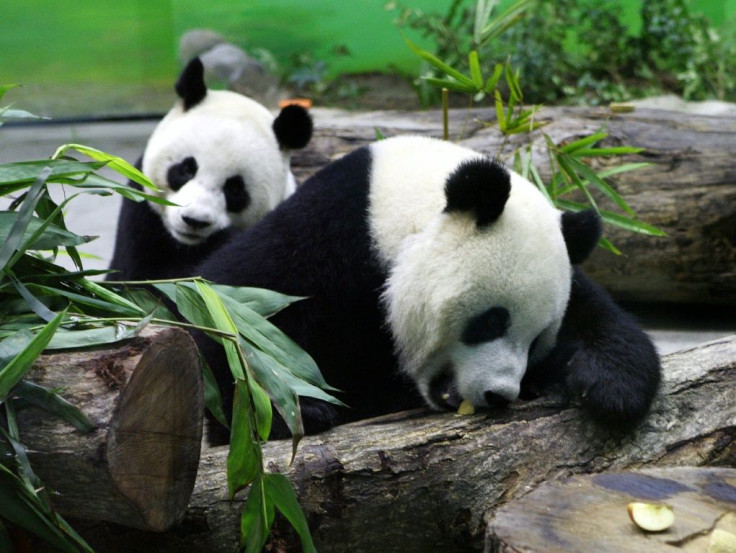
220,162
468,304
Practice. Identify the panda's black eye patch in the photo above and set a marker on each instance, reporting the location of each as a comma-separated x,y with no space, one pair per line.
236,195
486,326
181,173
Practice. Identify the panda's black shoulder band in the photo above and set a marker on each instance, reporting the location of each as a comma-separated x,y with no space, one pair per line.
481,186
190,87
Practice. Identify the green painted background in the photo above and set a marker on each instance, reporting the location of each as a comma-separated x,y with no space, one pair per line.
86,50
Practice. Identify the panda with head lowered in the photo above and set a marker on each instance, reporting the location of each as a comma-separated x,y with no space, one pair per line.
223,159
434,275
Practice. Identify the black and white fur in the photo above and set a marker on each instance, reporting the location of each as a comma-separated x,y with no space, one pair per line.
224,160
435,275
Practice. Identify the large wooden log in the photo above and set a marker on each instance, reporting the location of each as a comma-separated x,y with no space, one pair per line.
689,191
415,482
146,397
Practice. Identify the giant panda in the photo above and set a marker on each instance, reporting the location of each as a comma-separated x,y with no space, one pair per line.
223,159
434,275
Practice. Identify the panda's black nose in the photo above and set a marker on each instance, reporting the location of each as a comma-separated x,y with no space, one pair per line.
195,223
495,400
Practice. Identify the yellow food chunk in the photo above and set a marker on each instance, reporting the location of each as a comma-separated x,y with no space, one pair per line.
651,517
466,408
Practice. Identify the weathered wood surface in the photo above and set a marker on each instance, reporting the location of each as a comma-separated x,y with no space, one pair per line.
588,513
146,398
415,482
689,191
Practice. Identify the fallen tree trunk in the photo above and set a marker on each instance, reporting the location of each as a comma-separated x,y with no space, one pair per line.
689,191
414,482
139,465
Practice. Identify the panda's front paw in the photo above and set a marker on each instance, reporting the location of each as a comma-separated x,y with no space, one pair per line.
616,390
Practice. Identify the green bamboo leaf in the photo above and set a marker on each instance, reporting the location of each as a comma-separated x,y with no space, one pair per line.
583,142
512,80
36,305
109,296
91,337
492,82
55,404
592,177
271,340
572,175
602,152
17,232
500,114
627,223
16,176
256,519
50,236
450,85
16,369
18,507
224,322
280,492
284,398
475,71
500,24
537,180
606,244
264,302
212,396
439,64
483,10
94,303
624,168
263,411
244,462
115,163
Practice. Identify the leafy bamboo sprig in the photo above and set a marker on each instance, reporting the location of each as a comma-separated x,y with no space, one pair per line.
570,175
46,307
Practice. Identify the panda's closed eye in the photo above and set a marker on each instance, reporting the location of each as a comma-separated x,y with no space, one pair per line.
181,173
486,326
236,195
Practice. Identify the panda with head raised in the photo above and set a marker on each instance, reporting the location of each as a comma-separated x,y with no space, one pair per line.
434,275
223,159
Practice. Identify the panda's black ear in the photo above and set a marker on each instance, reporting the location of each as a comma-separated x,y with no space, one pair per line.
481,186
293,127
190,87
581,232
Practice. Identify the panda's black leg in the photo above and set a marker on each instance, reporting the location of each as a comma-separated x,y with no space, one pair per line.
614,369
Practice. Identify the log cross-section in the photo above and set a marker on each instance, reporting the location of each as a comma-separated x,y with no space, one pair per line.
139,466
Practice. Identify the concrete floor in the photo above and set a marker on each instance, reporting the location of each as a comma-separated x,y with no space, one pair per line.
672,328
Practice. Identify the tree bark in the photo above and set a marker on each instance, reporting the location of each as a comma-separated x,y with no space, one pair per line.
417,482
688,191
146,397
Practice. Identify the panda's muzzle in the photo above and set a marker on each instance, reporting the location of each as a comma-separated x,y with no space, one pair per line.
443,391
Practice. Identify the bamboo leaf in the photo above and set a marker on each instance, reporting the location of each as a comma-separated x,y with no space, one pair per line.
602,152
583,142
492,82
439,64
475,71
624,168
281,493
450,85
590,175
212,396
55,404
256,519
15,237
244,462
115,163
16,369
264,302
500,24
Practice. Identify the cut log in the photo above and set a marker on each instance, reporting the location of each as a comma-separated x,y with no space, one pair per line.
146,397
417,482
581,514
689,191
